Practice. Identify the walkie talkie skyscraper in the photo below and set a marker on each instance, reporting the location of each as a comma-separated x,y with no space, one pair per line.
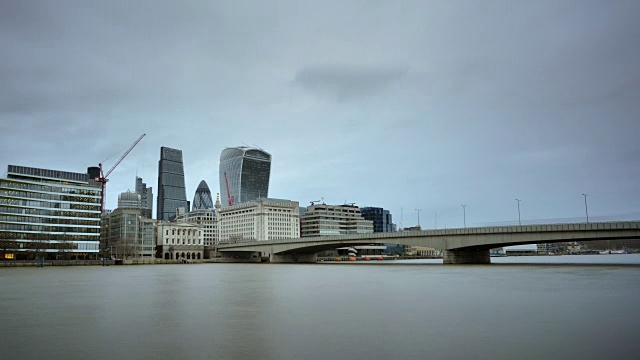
244,174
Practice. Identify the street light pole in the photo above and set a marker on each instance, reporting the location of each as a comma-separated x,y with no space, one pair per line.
586,208
418,210
464,214
519,222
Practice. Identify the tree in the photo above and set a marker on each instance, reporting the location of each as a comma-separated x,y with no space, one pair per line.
64,246
39,247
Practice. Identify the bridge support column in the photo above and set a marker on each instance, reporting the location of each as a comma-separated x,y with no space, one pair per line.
467,257
294,258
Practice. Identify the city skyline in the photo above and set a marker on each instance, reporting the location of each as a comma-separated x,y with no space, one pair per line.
401,106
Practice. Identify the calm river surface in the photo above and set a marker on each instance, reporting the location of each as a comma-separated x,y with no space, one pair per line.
406,310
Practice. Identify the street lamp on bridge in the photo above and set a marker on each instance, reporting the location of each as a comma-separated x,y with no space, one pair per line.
586,208
519,222
464,214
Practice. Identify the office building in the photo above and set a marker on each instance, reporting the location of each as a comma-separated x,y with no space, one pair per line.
146,198
129,200
322,219
49,214
202,199
244,174
204,219
126,234
171,189
381,218
259,220
179,241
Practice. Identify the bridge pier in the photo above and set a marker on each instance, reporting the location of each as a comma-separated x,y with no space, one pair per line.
293,258
467,256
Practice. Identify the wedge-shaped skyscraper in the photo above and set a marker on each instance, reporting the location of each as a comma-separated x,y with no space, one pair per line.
244,174
171,190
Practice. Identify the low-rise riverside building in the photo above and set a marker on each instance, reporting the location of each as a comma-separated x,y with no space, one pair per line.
206,219
126,232
176,241
259,220
322,219
49,214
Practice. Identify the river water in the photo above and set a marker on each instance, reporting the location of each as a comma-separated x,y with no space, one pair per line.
383,310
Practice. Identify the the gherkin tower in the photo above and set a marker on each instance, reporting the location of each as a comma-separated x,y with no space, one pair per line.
202,199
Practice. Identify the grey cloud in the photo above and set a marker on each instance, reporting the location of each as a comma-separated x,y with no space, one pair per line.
423,104
345,82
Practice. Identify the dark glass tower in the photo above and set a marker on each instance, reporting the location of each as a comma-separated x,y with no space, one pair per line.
146,197
381,218
171,189
244,174
202,199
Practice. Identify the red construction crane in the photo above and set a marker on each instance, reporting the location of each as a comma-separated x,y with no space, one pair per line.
103,177
229,197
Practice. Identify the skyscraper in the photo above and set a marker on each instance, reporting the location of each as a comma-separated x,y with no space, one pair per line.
171,189
202,199
146,197
244,174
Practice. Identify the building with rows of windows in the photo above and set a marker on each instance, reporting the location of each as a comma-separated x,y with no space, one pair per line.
322,219
179,241
126,232
49,214
259,220
206,219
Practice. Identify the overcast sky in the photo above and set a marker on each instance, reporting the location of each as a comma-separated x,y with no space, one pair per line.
396,104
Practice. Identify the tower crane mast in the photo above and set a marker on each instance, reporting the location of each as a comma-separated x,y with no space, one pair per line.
103,177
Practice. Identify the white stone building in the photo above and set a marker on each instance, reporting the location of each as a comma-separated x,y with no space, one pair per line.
206,219
179,241
259,220
322,219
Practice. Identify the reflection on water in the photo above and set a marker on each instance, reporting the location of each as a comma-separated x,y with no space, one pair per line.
381,310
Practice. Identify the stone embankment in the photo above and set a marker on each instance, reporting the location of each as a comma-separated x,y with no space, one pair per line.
23,263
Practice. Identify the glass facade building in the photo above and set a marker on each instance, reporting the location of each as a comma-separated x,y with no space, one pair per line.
244,174
126,233
381,218
146,197
202,200
171,189
49,214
